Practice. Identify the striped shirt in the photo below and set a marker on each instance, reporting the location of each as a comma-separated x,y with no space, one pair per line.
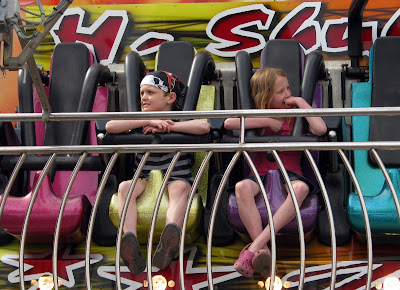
161,161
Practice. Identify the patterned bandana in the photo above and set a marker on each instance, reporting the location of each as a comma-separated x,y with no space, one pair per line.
165,81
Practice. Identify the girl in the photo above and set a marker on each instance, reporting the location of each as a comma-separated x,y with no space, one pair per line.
270,90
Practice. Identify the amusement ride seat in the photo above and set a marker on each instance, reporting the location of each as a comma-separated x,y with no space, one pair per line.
194,69
287,55
72,88
382,90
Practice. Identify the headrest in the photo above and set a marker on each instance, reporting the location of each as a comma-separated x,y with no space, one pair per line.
386,71
70,63
176,57
385,93
285,54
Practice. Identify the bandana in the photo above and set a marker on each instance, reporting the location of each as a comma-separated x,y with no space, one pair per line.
165,81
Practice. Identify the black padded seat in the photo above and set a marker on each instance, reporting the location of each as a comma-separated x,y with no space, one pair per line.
386,93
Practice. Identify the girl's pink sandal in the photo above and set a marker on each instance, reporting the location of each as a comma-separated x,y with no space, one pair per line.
243,264
262,263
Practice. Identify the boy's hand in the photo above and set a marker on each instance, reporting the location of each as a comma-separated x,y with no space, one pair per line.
158,126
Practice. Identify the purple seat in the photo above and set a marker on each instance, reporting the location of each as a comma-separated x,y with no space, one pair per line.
287,55
276,194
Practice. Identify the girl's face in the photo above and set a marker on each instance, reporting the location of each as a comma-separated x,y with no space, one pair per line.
155,99
281,93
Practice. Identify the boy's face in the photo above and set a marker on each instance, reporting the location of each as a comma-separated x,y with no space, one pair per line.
281,93
155,99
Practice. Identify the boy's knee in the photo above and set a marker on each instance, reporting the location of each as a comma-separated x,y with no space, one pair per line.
123,188
179,188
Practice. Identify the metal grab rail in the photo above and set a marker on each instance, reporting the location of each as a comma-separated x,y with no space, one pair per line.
58,117
211,148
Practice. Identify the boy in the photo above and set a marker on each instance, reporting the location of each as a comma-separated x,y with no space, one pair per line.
159,92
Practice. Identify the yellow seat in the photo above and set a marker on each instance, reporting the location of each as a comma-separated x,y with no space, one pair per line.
146,201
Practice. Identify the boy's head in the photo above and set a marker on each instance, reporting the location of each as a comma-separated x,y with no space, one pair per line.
170,84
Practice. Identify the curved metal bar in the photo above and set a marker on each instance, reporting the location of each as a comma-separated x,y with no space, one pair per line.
134,71
330,216
203,68
25,101
365,214
314,68
186,217
123,216
270,217
355,29
11,182
388,180
95,74
60,216
214,213
298,217
28,215
155,213
99,192
244,68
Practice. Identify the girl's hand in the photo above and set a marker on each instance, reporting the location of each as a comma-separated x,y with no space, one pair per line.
291,102
158,126
276,125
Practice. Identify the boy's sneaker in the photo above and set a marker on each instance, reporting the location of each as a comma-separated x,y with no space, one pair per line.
168,246
131,255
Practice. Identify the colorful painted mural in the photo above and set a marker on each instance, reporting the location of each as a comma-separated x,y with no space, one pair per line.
222,28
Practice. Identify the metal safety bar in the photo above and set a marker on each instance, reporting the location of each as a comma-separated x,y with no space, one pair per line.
212,148
58,117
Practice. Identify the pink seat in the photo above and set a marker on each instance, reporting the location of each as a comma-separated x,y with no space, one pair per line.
70,65
45,213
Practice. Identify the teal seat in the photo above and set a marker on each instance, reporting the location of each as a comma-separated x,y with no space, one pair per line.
382,90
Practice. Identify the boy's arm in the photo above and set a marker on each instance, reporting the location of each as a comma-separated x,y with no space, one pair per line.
196,127
254,123
121,126
316,125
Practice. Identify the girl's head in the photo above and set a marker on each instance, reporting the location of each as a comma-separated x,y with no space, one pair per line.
269,87
160,91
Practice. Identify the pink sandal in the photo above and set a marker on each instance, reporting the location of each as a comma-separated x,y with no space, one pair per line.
243,264
262,263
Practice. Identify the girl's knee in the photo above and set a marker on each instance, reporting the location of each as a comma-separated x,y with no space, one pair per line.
301,190
244,190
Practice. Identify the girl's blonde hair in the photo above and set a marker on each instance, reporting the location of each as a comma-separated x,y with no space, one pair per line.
262,85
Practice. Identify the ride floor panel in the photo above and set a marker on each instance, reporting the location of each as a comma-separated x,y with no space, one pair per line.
351,267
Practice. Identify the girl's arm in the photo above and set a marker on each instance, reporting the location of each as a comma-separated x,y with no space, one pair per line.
316,125
254,123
